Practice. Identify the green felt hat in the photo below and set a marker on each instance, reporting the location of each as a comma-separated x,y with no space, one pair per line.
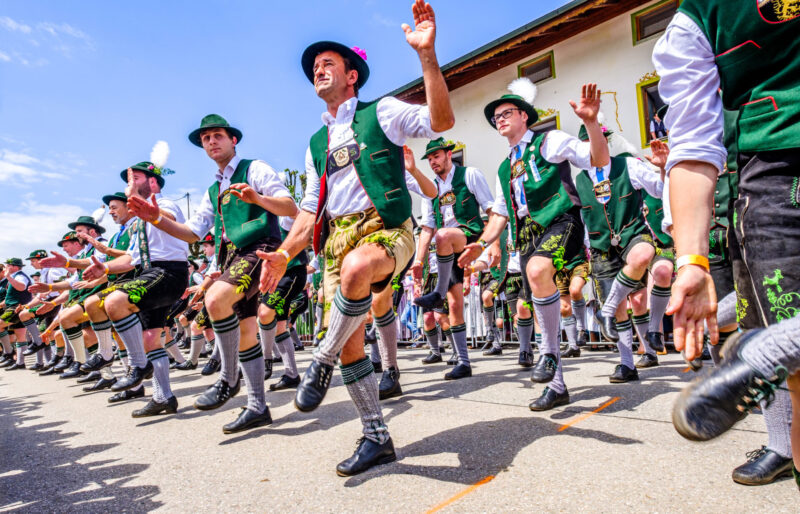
36,274
356,56
36,254
69,236
213,121
149,169
15,261
583,135
518,101
116,196
87,221
662,111
438,144
208,239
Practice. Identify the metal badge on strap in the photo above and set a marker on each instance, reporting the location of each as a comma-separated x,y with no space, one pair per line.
144,246
602,191
342,156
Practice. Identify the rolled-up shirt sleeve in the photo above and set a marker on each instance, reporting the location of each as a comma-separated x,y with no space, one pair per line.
689,85
477,184
427,218
499,205
559,146
642,177
203,218
266,181
311,194
400,120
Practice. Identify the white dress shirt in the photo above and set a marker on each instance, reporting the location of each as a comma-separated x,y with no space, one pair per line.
260,176
641,175
689,85
346,195
477,185
51,276
513,262
163,247
557,147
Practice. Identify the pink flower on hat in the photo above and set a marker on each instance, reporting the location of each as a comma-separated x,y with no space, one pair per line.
361,53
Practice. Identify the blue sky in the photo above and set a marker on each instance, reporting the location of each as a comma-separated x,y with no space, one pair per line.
87,88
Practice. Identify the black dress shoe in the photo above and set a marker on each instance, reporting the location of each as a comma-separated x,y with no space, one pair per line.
713,404
37,367
15,366
545,369
460,371
126,395
285,382
65,363
154,408
267,368
583,338
103,383
216,395
430,301
7,362
211,367
313,387
377,367
367,454
763,467
655,340
608,326
51,370
248,419
648,360
570,352
453,360
494,350
186,365
94,376
549,399
32,348
73,371
134,377
432,358
622,374
389,386
525,359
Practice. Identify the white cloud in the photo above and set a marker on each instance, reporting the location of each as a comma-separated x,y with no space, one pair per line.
4,57
35,225
44,37
21,168
386,22
14,26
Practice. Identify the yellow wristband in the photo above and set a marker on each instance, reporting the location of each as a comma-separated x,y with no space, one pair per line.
67,265
49,288
105,268
697,260
158,220
284,253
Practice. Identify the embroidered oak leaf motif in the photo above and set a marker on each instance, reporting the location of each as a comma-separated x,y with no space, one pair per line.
552,243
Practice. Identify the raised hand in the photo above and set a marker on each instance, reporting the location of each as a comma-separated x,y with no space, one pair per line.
96,270
86,238
272,269
244,193
660,151
408,153
147,211
56,261
589,105
470,253
38,288
424,34
130,190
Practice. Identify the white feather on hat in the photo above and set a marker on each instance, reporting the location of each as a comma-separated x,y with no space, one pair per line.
99,214
523,87
159,154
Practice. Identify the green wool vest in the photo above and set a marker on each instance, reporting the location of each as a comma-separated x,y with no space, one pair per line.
547,199
756,54
622,215
380,167
14,297
466,208
655,215
243,223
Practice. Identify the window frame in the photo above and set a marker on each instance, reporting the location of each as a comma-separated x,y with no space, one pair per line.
541,57
638,14
644,122
555,116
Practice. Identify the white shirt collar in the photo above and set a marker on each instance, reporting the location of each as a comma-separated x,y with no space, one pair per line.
525,141
229,169
448,177
344,114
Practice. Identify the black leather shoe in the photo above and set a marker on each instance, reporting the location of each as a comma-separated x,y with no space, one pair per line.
713,404
126,395
453,360
94,376
154,408
65,363
377,367
5,357
49,370
545,369
583,338
33,348
389,386
248,419
570,352
211,367
763,467
7,362
37,367
432,358
186,365
494,350
299,347
285,382
15,366
549,400
622,374
460,371
103,383
367,454
430,301
134,377
267,368
655,340
313,387
216,395
608,327
525,359
73,371
648,360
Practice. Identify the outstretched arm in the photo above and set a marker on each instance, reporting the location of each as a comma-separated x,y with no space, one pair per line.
587,109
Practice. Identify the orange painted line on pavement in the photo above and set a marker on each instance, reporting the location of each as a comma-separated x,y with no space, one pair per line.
461,494
688,369
581,418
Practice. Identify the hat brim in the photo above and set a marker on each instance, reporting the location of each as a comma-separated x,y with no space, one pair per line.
124,176
194,136
107,199
488,111
31,258
95,226
313,50
446,148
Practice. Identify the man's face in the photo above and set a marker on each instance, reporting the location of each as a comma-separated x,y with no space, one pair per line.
37,279
36,263
144,185
12,269
218,144
118,211
330,77
510,119
208,249
72,248
440,161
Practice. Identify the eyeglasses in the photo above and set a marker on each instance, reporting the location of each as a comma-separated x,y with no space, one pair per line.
503,115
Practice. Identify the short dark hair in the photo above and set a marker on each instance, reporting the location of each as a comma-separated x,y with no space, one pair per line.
347,67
